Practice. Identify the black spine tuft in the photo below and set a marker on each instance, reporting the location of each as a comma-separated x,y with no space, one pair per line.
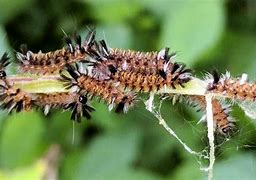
162,74
4,62
216,76
112,69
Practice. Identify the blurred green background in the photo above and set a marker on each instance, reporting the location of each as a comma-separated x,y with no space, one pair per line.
206,35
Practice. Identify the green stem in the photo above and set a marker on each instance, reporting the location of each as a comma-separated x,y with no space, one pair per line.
35,84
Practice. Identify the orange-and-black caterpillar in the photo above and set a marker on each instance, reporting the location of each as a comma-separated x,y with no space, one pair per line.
151,82
11,98
14,99
147,83
146,63
55,61
105,90
75,102
236,89
224,123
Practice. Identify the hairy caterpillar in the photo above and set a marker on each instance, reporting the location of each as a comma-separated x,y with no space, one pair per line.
55,61
236,89
14,99
152,82
11,98
224,123
75,102
146,63
102,89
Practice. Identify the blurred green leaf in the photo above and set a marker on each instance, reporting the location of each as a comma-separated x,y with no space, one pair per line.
3,41
21,140
235,53
61,129
70,165
189,170
33,172
193,28
113,10
12,7
104,118
239,166
108,154
116,35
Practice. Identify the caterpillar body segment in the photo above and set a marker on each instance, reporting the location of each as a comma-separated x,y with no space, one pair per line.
78,104
55,61
104,90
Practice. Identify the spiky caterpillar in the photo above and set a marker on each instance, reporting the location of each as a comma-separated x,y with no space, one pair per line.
14,99
77,103
235,89
224,123
102,89
11,98
140,82
155,72
147,63
55,61
130,60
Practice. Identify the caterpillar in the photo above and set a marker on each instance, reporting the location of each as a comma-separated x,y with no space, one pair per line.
55,61
75,102
236,89
14,99
224,123
147,63
140,82
11,98
95,87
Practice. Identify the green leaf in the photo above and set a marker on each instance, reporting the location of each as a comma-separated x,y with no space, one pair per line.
32,172
107,155
117,35
3,41
192,27
21,140
189,170
241,166
12,7
113,10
